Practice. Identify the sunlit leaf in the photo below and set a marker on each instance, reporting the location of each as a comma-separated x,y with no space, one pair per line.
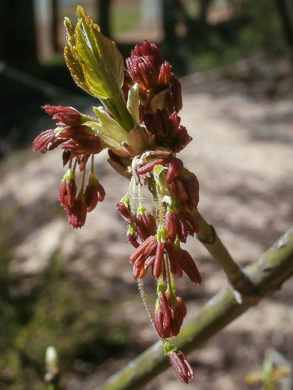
101,61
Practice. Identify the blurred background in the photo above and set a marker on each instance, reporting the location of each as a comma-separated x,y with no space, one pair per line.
61,287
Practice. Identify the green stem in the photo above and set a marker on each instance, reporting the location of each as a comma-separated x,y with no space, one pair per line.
209,238
267,275
118,108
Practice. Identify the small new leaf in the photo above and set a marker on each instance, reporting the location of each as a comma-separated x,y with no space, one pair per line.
100,60
71,57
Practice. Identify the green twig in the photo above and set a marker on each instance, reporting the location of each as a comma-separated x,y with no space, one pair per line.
209,238
267,275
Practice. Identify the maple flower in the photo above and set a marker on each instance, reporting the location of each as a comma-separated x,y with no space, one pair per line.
180,224
138,125
159,87
166,130
169,315
149,253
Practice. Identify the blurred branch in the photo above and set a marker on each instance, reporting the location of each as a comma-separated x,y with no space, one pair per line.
267,275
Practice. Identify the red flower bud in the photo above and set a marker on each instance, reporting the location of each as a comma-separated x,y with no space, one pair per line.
181,366
181,261
67,115
165,74
125,212
180,224
94,192
169,317
186,187
145,224
174,170
167,131
77,213
149,253
150,50
67,192
47,140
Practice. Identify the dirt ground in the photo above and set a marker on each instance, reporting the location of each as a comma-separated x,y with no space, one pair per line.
242,153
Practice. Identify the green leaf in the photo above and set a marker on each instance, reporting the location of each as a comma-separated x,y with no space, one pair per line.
133,103
100,59
71,57
109,126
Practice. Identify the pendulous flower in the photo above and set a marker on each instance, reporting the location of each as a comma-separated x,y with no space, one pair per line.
169,315
181,366
139,126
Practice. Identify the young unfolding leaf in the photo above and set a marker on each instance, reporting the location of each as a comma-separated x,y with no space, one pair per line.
101,61
93,59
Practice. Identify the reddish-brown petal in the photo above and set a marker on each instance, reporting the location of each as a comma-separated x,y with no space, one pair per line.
66,156
174,254
132,238
94,193
165,74
193,226
189,267
147,49
67,115
125,212
182,307
174,170
165,309
47,140
158,322
67,193
77,213
157,268
181,366
140,250
146,225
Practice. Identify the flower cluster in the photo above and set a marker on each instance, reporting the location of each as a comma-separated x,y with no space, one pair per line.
80,142
139,125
